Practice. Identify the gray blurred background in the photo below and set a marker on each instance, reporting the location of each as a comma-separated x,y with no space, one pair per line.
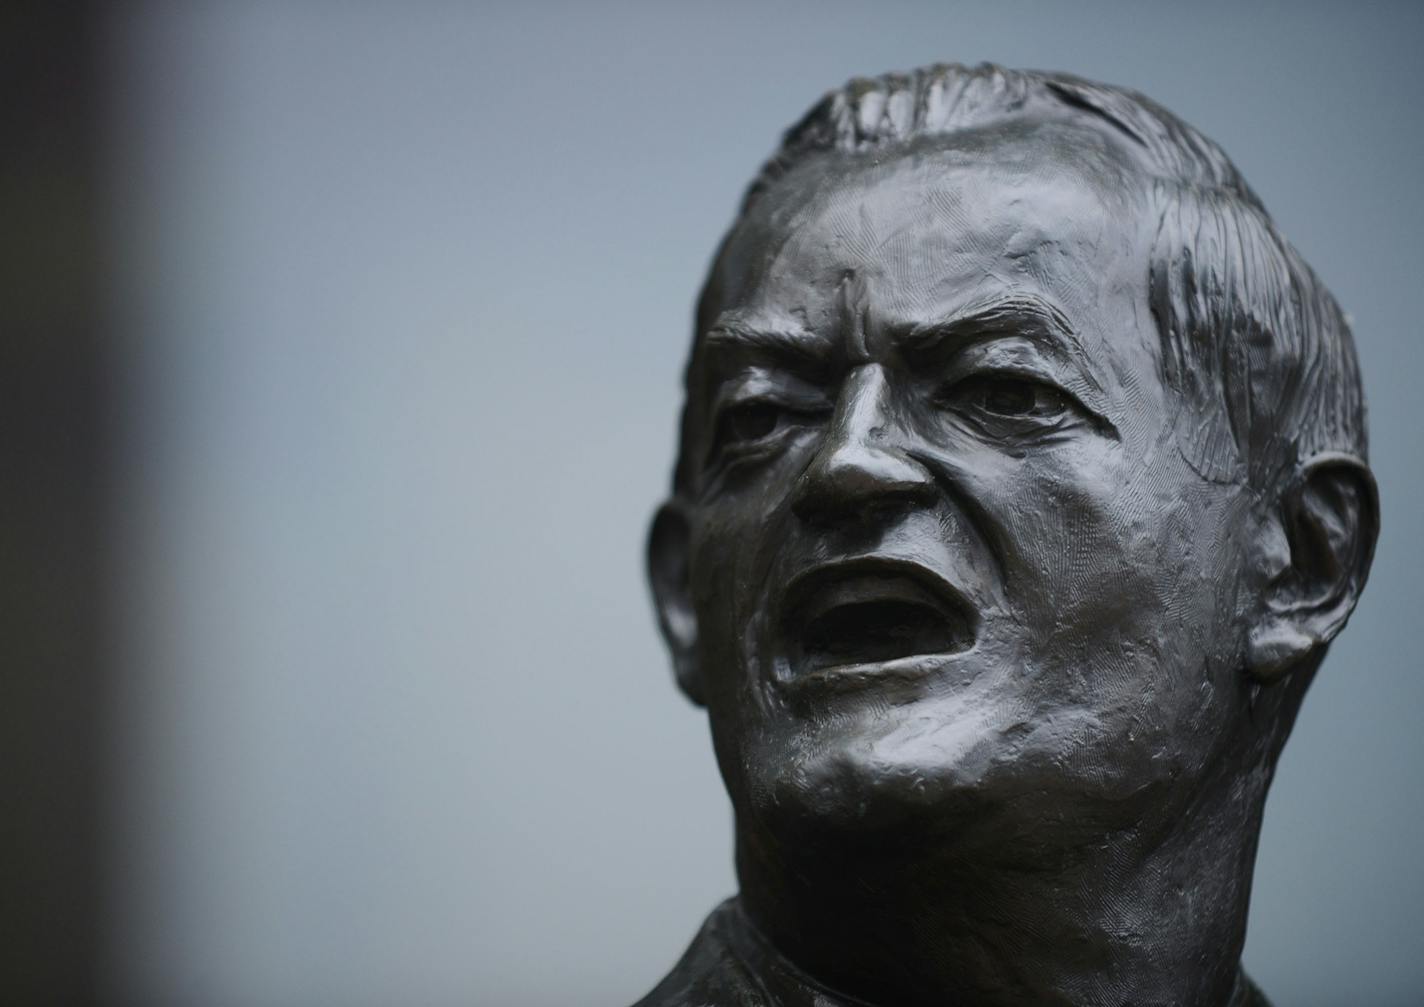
405,291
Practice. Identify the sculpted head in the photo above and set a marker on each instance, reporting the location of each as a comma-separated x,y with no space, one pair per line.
1022,482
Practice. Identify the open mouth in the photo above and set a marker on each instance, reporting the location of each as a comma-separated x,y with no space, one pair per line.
858,614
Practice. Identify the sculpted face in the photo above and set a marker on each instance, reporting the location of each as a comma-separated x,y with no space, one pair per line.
1022,488
945,561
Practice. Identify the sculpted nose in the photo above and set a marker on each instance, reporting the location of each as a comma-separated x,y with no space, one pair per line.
857,473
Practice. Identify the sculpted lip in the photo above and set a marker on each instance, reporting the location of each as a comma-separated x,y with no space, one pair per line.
869,615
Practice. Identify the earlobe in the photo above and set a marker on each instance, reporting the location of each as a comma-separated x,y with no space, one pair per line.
669,544
1275,647
1316,552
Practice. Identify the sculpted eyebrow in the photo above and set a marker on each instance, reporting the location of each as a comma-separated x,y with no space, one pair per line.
1027,316
793,345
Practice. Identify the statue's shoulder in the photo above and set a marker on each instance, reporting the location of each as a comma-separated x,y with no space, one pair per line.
710,973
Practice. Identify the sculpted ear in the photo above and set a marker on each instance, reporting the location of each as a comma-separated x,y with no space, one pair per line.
1318,554
668,549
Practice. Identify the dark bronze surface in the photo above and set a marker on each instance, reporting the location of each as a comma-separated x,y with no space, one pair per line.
1022,488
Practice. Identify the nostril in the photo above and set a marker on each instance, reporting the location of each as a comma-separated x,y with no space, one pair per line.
888,508
856,484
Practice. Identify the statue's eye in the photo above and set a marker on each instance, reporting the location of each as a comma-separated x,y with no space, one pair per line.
749,421
1008,396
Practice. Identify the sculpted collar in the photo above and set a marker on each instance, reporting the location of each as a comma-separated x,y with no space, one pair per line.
730,964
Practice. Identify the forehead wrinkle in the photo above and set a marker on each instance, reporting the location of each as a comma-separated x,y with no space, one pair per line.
853,308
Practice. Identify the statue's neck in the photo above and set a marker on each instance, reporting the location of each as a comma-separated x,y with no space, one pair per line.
1124,922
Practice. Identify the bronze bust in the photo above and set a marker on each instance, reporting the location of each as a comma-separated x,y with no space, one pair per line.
1022,488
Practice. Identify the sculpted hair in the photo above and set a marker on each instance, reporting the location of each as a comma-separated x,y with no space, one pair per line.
1248,331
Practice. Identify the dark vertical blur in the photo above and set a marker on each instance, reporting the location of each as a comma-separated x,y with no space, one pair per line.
52,502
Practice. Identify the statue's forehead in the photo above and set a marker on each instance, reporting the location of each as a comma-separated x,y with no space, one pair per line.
926,220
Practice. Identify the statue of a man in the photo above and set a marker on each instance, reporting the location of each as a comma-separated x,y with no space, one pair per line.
1022,487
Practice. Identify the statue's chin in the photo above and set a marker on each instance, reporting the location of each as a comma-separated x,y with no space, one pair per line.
844,775
978,778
